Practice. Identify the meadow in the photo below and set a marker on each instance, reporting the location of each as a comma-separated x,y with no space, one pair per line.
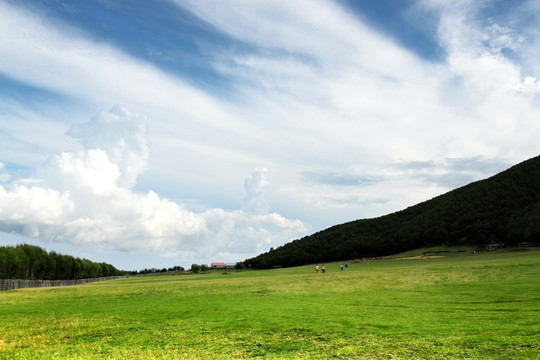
450,306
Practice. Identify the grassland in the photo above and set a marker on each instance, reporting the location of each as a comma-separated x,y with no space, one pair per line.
458,306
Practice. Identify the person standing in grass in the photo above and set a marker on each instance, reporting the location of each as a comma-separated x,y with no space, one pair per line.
317,269
341,267
323,269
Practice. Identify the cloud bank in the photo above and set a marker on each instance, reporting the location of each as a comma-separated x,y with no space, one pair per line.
86,198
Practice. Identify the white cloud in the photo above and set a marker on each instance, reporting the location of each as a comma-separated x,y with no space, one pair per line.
96,72
122,136
85,198
255,184
476,48
25,209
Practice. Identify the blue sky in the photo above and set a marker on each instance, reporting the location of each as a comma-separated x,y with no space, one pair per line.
161,133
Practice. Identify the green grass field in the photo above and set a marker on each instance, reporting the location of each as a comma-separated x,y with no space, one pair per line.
459,306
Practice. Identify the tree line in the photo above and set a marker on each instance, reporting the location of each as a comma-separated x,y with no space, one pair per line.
157,270
29,262
194,269
504,208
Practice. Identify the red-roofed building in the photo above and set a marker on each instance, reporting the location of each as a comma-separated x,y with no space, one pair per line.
220,265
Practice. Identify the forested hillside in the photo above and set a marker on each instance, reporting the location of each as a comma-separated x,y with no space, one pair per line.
34,263
504,208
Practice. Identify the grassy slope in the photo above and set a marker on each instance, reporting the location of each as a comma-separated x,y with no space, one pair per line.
461,306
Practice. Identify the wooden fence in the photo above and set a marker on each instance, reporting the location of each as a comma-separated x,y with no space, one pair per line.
9,284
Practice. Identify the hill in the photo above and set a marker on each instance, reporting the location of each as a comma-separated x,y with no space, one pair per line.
504,208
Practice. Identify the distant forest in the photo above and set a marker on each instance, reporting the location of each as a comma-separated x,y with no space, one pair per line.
30,262
504,208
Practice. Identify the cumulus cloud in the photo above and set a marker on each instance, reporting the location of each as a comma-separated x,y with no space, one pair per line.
255,184
122,136
29,209
85,197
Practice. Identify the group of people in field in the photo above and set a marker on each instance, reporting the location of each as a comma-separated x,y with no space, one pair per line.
324,268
